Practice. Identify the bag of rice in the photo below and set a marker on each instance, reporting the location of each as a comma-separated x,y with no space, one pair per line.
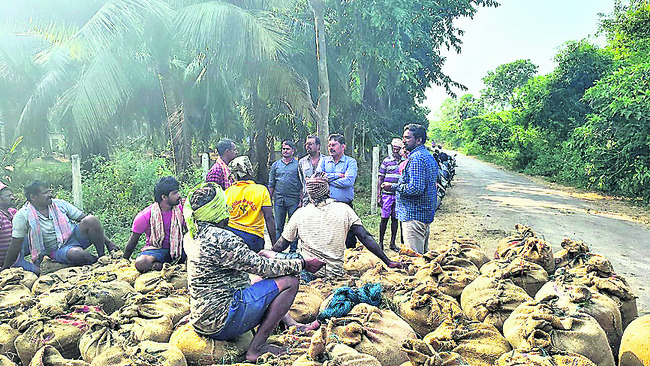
635,346
527,275
425,308
202,350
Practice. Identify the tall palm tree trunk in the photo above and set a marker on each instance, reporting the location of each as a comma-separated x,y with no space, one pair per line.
323,106
177,128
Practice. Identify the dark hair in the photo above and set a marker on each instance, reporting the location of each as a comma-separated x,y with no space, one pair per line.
35,187
316,139
224,145
337,137
290,143
164,186
417,130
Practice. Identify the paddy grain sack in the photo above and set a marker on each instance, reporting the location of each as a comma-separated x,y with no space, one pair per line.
376,332
49,356
491,300
469,251
146,353
12,296
450,279
538,357
389,278
174,275
202,350
105,291
5,361
527,275
534,250
358,260
62,335
505,244
7,337
425,308
542,324
635,346
17,276
137,324
335,354
306,305
421,354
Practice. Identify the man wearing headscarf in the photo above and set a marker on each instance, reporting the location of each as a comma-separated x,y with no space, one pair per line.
223,303
250,207
322,227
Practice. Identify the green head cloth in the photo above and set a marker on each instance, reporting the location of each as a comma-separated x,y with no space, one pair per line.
214,210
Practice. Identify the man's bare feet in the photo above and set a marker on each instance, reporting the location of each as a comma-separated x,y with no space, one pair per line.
302,327
253,354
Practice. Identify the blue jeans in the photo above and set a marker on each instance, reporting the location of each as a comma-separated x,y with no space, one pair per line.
77,239
254,242
162,255
283,208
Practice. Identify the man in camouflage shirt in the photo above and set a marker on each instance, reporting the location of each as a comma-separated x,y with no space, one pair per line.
223,303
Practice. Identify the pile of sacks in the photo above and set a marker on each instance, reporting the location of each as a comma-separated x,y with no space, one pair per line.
450,306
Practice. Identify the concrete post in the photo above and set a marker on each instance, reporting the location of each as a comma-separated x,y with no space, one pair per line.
390,150
205,164
375,179
77,194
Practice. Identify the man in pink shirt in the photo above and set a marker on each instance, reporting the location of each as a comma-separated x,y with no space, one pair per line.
163,225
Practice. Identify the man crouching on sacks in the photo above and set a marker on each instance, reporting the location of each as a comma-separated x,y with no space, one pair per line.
223,303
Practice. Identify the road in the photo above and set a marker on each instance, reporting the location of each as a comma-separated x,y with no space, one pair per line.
485,202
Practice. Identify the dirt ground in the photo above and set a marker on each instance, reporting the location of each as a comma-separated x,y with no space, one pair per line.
485,202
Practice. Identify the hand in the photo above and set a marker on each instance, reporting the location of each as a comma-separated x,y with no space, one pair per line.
341,175
312,265
387,186
398,265
379,202
267,254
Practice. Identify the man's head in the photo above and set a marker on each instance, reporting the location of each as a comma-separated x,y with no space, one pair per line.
288,149
38,193
336,145
396,145
7,198
166,190
241,168
318,187
227,149
312,144
208,204
414,136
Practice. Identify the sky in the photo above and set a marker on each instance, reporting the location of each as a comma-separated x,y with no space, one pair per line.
518,29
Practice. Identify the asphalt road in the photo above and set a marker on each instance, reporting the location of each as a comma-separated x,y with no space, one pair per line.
497,199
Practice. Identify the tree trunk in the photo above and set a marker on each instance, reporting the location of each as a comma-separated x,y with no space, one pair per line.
323,106
260,136
177,128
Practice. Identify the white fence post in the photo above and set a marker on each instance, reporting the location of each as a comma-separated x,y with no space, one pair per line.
375,179
77,194
205,163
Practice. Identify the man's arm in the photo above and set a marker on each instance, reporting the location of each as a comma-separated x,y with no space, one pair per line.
13,252
380,180
348,178
281,244
416,184
272,179
369,242
269,220
130,245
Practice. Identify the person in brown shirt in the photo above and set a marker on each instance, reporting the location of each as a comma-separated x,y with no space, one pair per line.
223,302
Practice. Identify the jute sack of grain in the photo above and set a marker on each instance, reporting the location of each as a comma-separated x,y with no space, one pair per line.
7,337
491,300
161,301
306,304
103,290
468,251
100,336
202,350
505,245
296,342
581,299
425,308
61,334
527,275
136,325
23,320
340,355
541,324
45,282
124,269
534,250
539,357
571,249
12,296
477,343
635,346
389,278
53,302
176,275
449,279
146,353
49,356
17,276
358,260
421,354
591,262
6,361
376,332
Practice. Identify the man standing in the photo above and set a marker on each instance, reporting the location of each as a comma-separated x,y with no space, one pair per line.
7,212
45,224
308,164
163,226
389,172
249,204
322,226
416,190
219,172
223,302
341,171
284,186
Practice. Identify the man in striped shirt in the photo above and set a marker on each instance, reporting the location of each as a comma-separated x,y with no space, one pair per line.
389,172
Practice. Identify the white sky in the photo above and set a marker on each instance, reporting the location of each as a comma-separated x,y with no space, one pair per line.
518,29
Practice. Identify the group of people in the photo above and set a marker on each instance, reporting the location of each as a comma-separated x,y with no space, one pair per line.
219,230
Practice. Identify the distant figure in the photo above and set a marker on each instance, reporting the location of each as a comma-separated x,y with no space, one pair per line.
249,205
219,172
341,171
389,172
308,164
285,186
322,226
163,226
43,225
416,190
223,302
7,212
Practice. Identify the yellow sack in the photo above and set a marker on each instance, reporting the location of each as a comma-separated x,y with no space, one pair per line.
13,296
340,355
146,353
306,304
104,290
17,276
49,356
389,278
5,361
174,275
64,336
7,337
358,260
422,354
527,275
539,357
635,346
450,279
425,308
203,350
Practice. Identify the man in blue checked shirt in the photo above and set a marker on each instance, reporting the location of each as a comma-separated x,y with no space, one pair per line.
416,190
341,172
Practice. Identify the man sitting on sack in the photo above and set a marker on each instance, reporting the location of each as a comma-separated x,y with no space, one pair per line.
223,302
163,226
322,227
44,226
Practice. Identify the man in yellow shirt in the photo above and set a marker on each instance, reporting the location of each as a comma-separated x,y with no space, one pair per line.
250,206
